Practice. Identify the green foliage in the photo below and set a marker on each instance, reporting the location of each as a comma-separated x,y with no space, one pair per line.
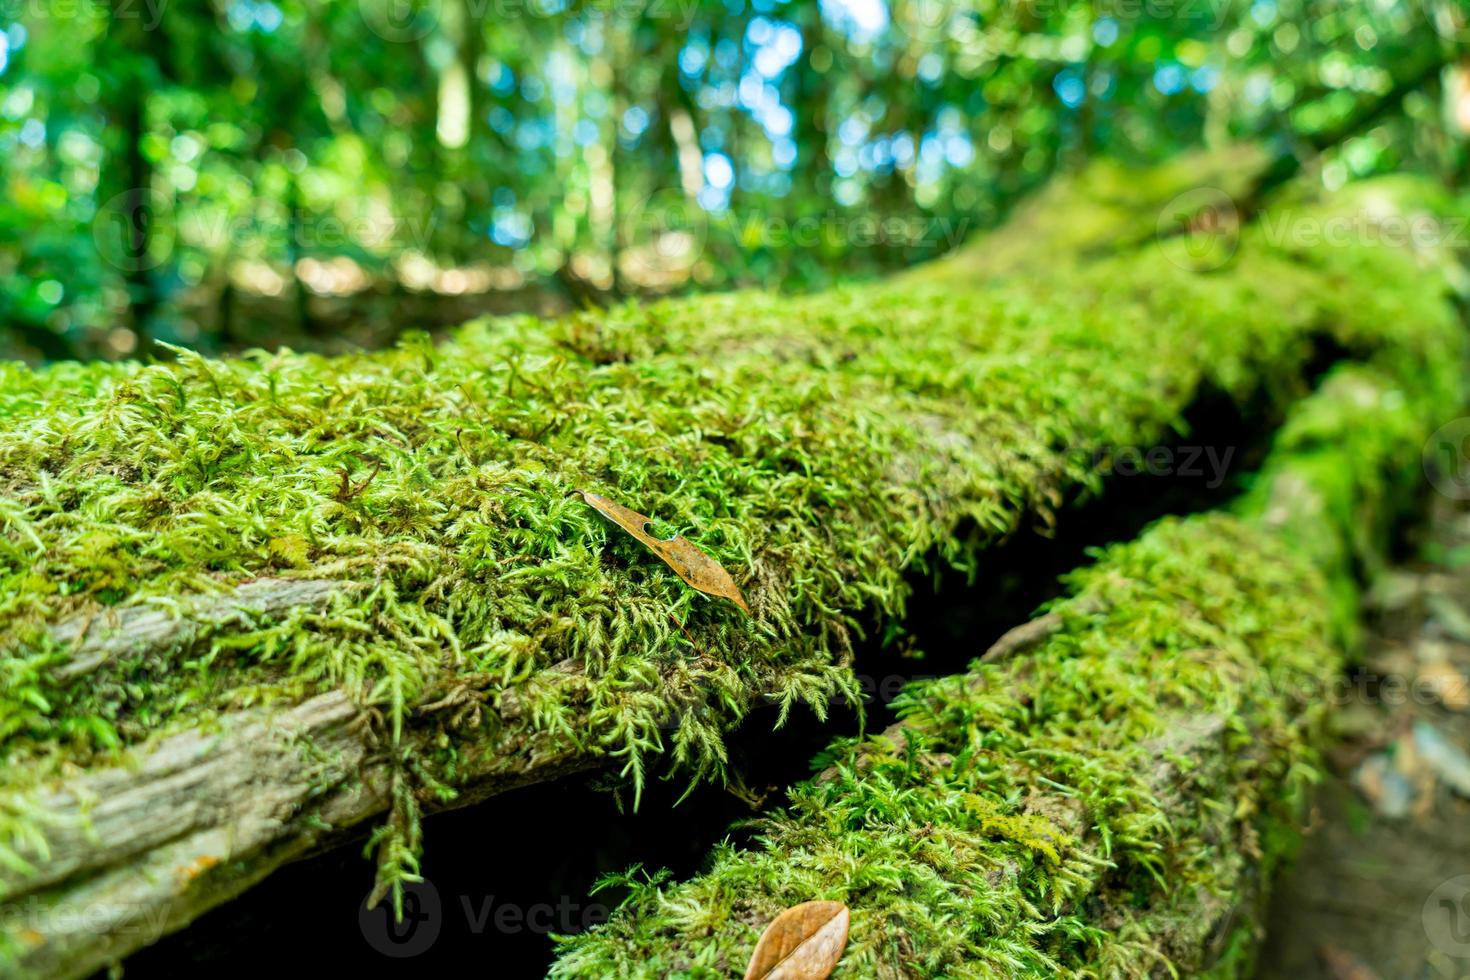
292,152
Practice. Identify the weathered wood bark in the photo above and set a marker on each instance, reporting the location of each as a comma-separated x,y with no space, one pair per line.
139,851
142,630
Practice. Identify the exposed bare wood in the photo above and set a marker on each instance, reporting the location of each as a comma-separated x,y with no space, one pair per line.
150,626
140,850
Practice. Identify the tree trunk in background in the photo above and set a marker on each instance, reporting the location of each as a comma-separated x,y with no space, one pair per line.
135,50
294,238
623,42
476,185
142,294
813,172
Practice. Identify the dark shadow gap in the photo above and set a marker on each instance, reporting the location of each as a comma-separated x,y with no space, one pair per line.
508,873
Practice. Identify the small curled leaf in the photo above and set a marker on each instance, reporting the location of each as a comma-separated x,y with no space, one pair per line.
696,568
803,943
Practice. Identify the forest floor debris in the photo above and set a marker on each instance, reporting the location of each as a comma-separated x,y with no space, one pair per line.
1383,882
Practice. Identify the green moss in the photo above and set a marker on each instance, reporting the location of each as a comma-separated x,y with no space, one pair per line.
1107,206
1112,803
820,448
1035,823
1206,644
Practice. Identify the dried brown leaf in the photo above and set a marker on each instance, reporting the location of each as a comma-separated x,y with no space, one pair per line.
803,943
696,568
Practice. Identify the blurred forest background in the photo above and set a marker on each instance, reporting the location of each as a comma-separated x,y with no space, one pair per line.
225,174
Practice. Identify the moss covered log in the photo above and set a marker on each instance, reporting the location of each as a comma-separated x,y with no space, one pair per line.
1110,207
1107,792
363,579
1096,806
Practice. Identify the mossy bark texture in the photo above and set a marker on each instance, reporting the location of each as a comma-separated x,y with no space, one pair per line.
1108,790
1105,796
362,585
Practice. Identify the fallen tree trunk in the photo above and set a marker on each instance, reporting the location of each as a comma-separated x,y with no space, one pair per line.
1107,792
1107,804
362,580
137,852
